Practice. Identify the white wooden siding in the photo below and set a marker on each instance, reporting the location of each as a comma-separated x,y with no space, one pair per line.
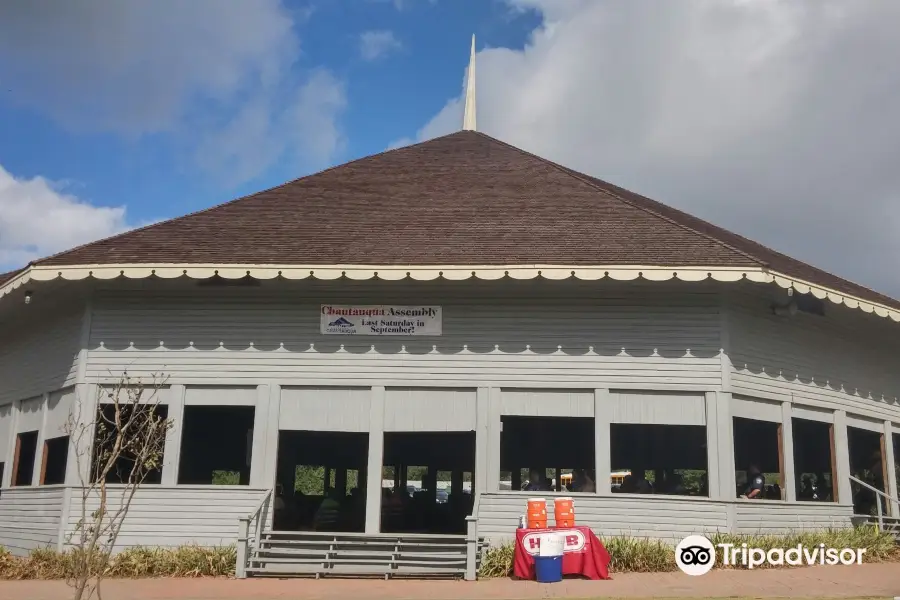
429,409
643,517
754,408
864,423
657,408
761,516
30,518
669,519
39,353
538,335
220,396
547,403
174,516
844,360
30,415
325,409
59,409
812,414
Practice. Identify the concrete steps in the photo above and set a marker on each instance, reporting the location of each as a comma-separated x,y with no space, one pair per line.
314,554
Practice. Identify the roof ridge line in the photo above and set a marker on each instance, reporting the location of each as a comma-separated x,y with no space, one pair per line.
580,177
227,202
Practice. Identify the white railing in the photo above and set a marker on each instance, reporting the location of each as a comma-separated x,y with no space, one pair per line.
878,503
256,520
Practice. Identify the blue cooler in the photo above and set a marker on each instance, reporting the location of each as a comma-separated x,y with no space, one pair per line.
548,569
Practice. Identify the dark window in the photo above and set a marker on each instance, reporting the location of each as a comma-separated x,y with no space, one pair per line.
215,445
758,452
56,454
23,466
659,459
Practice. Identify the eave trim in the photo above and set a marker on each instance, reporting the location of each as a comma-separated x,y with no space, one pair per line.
448,272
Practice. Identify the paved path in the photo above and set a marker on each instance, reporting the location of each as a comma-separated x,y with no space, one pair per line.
872,580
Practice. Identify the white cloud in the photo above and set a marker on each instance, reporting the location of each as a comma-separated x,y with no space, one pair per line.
777,119
132,68
303,128
37,219
377,44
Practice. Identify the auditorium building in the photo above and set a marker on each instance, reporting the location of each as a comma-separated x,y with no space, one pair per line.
408,336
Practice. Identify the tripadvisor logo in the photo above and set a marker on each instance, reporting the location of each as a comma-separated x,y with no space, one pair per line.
696,555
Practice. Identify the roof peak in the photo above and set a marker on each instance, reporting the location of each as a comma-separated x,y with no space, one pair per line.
469,113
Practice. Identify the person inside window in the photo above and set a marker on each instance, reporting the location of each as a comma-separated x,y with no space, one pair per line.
756,483
536,482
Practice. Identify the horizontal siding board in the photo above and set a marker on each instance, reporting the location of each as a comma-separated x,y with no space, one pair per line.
220,396
772,517
658,408
429,409
59,409
168,516
812,414
30,415
845,359
39,352
325,409
30,518
645,517
669,519
754,408
547,403
628,337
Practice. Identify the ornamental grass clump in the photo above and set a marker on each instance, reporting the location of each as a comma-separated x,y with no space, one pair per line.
184,561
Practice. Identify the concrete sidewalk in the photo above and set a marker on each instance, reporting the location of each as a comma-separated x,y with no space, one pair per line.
863,581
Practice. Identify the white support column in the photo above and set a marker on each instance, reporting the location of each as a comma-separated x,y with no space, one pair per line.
789,489
713,449
81,440
273,421
725,438
482,434
602,447
10,445
376,460
172,449
261,432
889,461
495,428
42,435
842,458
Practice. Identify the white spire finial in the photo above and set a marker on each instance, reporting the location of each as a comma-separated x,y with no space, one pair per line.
469,114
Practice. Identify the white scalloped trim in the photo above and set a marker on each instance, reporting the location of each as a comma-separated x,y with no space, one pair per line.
449,272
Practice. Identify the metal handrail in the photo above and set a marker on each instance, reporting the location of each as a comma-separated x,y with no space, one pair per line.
878,495
260,514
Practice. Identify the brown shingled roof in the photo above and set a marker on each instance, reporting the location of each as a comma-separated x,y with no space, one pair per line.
462,199
4,277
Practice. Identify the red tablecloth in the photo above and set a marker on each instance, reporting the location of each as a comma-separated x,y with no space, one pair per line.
584,552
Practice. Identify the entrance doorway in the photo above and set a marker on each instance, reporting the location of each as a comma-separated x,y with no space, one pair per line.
321,481
427,482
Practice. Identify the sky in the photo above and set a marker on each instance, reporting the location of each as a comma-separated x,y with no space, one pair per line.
777,119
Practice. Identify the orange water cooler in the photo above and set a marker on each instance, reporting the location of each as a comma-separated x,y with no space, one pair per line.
564,512
537,513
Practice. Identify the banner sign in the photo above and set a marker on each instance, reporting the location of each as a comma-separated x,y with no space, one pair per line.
380,320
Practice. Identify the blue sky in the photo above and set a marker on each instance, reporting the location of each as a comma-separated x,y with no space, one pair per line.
397,62
776,119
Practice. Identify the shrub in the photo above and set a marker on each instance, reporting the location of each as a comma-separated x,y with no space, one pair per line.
184,561
636,555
